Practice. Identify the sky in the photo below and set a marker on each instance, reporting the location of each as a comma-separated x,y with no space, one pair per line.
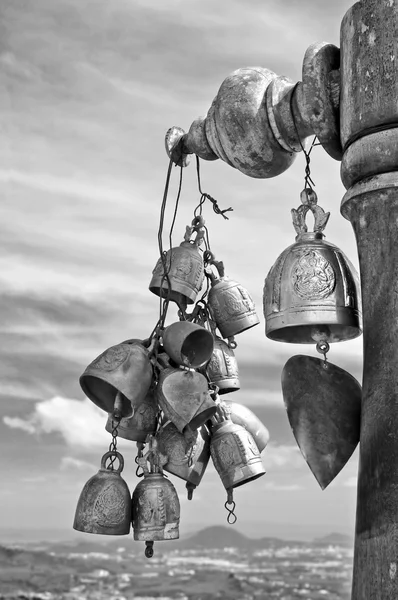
89,90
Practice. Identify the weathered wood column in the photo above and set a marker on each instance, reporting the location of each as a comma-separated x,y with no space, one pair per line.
369,135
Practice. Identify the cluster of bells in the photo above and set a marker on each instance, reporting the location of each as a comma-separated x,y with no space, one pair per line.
167,394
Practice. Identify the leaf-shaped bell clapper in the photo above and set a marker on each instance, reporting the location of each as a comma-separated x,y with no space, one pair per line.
124,368
234,452
222,369
187,454
155,503
230,304
312,292
188,344
241,415
184,268
183,395
104,505
142,423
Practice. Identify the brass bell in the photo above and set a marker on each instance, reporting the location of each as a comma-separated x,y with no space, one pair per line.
222,369
230,304
124,368
187,454
183,395
142,423
188,344
155,503
312,292
241,415
234,452
184,267
104,505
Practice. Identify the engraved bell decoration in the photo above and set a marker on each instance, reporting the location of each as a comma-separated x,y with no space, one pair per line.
123,368
187,454
312,292
155,503
222,369
185,269
234,452
241,415
104,505
231,306
142,423
183,395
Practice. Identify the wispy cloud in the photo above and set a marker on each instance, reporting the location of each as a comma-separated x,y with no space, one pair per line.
69,462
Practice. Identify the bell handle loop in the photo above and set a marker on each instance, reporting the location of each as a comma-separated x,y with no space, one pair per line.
108,455
309,202
231,518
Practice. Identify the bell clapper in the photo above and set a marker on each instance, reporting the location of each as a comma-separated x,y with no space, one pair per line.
231,518
323,348
190,489
118,407
149,549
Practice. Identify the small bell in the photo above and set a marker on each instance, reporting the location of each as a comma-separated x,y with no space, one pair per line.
183,395
184,267
241,415
222,369
142,423
104,506
124,368
312,292
234,452
230,304
188,344
155,503
188,454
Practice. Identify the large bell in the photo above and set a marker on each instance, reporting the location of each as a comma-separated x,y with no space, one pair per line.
186,458
234,452
183,395
222,369
124,368
142,423
312,292
185,268
230,304
188,344
104,505
155,503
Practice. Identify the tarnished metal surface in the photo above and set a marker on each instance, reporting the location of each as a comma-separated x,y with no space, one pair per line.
321,62
174,143
188,344
104,506
222,368
241,415
124,368
323,404
141,424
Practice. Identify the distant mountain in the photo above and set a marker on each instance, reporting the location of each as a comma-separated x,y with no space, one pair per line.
335,539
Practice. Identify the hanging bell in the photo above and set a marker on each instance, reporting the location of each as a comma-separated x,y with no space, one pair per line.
188,344
312,292
234,452
184,268
104,505
241,415
222,369
142,423
124,368
187,454
230,304
155,503
183,395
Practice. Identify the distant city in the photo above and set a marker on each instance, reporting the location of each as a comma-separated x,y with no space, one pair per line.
217,562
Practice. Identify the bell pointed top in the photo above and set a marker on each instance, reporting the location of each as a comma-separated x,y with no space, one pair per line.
309,201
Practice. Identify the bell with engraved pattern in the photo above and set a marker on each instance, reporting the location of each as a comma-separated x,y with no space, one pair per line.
184,267
222,369
187,454
124,368
104,506
230,304
142,423
312,292
155,503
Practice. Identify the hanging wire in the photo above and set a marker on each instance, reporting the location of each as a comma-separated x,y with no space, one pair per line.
308,182
204,197
113,444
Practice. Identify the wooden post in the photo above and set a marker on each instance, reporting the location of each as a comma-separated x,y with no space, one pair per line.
369,134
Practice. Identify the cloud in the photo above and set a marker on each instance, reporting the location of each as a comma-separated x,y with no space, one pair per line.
281,487
278,457
351,482
80,423
69,462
